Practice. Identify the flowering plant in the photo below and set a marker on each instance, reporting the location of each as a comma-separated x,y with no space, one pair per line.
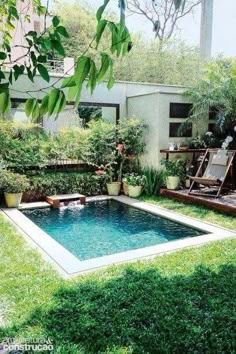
226,142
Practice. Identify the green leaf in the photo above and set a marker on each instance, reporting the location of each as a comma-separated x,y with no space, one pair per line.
2,76
43,72
62,31
111,80
55,21
10,77
106,60
53,97
3,56
60,104
78,95
29,105
35,111
13,12
42,59
100,29
33,58
29,73
47,43
82,70
68,82
58,47
5,102
92,76
101,10
18,70
44,105
72,92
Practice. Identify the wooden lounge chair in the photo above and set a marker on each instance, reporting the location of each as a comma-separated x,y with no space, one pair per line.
218,168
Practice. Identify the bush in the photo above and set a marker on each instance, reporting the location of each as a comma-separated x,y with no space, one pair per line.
13,182
64,183
154,179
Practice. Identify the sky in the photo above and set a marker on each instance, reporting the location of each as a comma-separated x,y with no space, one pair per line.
224,32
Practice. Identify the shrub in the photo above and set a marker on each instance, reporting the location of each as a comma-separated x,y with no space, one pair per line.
135,180
63,183
131,134
154,179
175,168
13,182
72,141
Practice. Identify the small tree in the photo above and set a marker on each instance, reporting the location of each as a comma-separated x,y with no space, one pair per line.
164,15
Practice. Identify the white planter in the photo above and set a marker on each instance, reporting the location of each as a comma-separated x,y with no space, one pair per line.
13,200
135,191
113,188
172,182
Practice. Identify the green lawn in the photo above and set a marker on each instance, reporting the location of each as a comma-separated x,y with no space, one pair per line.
179,303
194,211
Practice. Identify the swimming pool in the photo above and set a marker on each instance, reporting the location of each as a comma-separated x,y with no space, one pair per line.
103,228
108,231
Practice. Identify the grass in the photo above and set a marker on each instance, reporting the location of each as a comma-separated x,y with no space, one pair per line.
195,211
178,303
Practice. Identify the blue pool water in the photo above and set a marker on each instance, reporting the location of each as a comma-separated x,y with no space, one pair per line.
107,227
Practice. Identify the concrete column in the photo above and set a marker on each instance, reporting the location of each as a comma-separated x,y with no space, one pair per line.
206,29
69,66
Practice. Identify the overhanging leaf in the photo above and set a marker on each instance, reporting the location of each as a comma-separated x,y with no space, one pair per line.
82,70
92,76
62,31
68,82
44,106
55,21
29,105
101,10
43,72
106,60
100,29
53,97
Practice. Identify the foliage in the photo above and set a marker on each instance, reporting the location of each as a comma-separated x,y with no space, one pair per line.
13,182
216,91
50,183
125,309
135,180
86,114
154,179
174,168
38,48
71,142
176,63
100,147
131,132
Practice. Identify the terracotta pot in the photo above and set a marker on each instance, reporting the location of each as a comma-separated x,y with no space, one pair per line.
125,188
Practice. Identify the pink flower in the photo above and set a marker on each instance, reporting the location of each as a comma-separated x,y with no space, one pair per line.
100,172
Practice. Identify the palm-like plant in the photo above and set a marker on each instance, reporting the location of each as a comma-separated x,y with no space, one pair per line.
216,90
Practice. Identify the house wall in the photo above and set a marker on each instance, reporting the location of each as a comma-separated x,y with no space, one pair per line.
154,109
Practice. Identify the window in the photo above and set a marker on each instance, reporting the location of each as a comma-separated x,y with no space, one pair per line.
174,131
180,110
211,127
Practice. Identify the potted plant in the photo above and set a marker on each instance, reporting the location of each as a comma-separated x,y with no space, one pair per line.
175,172
135,185
13,186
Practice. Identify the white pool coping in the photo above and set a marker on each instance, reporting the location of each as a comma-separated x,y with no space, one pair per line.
69,265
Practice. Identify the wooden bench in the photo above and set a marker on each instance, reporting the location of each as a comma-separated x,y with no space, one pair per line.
56,200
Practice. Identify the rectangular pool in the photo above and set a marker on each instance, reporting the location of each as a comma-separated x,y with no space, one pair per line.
107,227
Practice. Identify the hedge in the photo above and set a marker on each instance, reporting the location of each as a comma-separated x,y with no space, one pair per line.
64,183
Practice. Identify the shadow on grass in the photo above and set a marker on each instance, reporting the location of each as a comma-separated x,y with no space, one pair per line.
144,312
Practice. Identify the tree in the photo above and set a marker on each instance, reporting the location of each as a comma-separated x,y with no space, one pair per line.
216,92
164,15
36,47
177,64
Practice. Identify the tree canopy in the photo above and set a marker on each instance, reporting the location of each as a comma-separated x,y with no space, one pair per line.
37,46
